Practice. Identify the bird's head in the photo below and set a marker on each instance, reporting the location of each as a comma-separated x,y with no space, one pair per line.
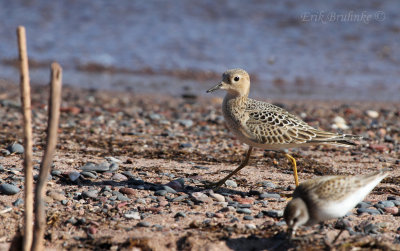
296,214
234,81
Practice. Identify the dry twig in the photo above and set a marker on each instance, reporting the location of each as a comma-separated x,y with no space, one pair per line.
27,114
54,115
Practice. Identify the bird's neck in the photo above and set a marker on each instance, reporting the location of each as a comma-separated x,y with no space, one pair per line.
236,100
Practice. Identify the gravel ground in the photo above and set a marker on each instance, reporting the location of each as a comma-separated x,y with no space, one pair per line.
129,169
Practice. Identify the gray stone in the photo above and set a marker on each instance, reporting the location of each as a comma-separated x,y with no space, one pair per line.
72,220
244,205
268,184
141,201
180,214
371,229
128,174
186,122
363,204
385,203
168,189
132,215
248,217
250,226
217,197
18,202
73,176
243,211
201,197
143,224
90,166
119,177
231,183
113,160
274,213
90,194
113,167
371,211
160,192
87,174
122,197
9,189
270,196
15,148
55,172
396,202
180,198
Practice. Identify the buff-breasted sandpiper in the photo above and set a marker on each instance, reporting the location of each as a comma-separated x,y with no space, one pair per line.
263,125
328,197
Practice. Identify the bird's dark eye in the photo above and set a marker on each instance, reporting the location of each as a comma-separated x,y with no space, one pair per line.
236,79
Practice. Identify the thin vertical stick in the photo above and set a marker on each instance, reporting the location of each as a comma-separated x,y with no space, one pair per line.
26,112
52,127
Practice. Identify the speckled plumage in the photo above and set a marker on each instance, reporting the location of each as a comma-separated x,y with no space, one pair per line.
266,126
328,197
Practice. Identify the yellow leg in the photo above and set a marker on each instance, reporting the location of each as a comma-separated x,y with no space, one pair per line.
293,161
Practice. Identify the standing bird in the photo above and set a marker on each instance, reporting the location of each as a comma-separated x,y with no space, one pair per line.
266,126
328,197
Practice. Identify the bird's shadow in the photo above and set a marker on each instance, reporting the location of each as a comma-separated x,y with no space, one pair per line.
143,185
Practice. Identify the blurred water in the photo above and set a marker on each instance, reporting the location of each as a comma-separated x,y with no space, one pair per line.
291,48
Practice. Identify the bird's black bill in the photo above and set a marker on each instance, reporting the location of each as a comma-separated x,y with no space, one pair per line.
218,86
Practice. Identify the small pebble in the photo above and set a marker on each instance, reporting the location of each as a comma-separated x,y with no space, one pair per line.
186,122
121,197
113,160
250,226
243,211
270,196
90,194
55,172
89,174
73,176
141,201
363,204
339,123
180,214
372,114
132,215
92,230
168,189
268,184
9,189
180,198
385,203
18,202
119,177
143,224
160,192
113,167
231,183
274,213
90,166
217,197
201,197
368,211
127,190
392,210
371,229
248,217
15,148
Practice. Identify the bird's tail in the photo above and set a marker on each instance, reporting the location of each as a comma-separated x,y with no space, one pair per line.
345,140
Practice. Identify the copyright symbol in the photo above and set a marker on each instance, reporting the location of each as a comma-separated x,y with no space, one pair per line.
380,16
